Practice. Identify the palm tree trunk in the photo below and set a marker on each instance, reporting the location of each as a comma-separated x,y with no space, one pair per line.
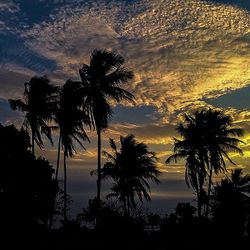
33,142
58,157
57,170
199,194
209,190
99,167
65,189
198,202
124,208
98,182
128,212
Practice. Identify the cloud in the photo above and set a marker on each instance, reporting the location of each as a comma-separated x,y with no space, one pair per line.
12,81
148,133
7,116
9,6
180,51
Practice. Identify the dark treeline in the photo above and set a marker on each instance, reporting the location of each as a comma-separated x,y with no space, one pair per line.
33,206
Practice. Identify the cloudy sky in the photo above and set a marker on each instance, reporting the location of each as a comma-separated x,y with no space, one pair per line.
185,54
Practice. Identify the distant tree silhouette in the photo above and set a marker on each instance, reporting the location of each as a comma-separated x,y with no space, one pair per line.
208,137
90,213
102,80
153,220
130,168
70,119
185,211
38,105
230,203
27,187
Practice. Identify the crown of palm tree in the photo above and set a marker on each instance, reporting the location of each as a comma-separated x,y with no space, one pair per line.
70,117
102,80
38,104
130,168
208,137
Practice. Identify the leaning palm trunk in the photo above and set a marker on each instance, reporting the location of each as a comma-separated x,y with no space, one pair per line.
65,189
58,156
57,171
128,209
99,169
209,191
200,194
33,142
124,207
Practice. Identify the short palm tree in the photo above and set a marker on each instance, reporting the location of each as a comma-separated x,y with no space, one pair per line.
130,168
38,105
70,119
102,80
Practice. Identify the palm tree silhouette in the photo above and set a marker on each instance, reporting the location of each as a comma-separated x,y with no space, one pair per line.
231,202
38,104
219,139
208,137
70,119
130,168
189,149
102,80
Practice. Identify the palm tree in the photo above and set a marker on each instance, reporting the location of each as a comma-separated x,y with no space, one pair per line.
102,80
38,104
70,119
231,202
209,136
130,168
219,139
190,150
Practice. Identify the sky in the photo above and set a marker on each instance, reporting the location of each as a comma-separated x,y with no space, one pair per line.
185,54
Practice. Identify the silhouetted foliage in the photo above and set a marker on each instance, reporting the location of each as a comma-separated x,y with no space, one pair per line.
185,212
27,189
130,169
38,105
153,220
208,137
90,213
230,204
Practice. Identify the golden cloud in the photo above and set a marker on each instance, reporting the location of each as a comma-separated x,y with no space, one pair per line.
180,51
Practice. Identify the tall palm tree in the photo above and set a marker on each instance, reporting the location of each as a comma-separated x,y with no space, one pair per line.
208,137
130,168
70,119
102,80
38,104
